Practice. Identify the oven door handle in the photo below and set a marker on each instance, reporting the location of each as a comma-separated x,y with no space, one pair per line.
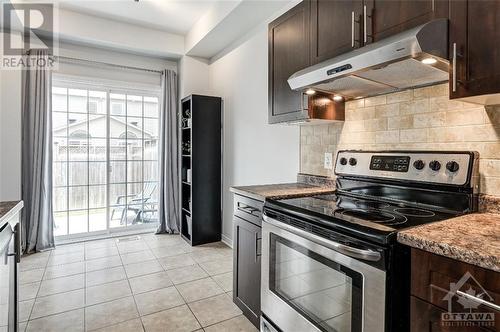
364,254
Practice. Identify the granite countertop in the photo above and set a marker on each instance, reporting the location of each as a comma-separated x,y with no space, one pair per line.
472,238
9,209
284,190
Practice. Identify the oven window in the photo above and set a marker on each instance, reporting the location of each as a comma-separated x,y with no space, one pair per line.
326,293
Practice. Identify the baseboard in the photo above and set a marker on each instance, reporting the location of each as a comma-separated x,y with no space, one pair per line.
93,237
228,241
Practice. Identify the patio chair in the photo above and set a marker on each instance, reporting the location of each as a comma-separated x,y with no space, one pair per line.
139,203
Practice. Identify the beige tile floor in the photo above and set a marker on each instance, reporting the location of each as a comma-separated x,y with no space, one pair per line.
145,283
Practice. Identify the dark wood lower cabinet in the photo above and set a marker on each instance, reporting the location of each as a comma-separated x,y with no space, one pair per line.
433,279
426,317
246,270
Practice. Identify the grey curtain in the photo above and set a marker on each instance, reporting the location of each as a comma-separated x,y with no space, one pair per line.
37,223
169,164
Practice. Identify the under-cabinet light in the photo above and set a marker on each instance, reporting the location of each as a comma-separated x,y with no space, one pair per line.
429,61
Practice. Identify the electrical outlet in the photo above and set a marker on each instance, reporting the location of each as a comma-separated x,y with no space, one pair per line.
328,160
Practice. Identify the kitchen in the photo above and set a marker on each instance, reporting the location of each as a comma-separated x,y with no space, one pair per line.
388,117
356,186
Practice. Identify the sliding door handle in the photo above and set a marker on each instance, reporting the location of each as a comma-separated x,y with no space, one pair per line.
454,68
364,24
352,29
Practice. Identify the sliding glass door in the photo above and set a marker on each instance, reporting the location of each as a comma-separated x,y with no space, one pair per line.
133,158
105,159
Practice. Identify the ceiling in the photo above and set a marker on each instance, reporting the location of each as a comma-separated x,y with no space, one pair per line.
201,28
174,16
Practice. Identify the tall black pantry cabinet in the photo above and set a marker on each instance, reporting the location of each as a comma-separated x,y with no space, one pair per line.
200,162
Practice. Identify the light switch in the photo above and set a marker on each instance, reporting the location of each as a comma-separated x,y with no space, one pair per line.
328,160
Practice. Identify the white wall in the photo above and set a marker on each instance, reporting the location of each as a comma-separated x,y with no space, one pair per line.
193,76
10,135
209,21
124,37
254,151
84,28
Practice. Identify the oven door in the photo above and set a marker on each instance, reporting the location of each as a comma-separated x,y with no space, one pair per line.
313,284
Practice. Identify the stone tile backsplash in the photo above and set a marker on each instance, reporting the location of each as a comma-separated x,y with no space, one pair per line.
422,118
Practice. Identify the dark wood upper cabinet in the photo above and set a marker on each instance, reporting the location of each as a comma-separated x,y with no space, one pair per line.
335,28
317,30
289,38
290,51
474,50
338,27
385,18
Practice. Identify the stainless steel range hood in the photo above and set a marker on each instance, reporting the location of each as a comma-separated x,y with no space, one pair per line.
392,64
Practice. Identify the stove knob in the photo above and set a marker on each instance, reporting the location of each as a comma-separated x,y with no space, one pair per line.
343,161
353,161
435,165
419,164
452,166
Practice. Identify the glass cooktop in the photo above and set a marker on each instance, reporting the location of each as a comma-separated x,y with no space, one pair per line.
373,218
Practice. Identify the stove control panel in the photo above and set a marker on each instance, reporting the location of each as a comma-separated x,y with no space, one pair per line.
455,168
390,163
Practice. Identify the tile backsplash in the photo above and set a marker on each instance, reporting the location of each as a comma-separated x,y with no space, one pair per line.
422,119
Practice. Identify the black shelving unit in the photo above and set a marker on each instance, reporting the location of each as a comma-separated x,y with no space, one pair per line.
201,162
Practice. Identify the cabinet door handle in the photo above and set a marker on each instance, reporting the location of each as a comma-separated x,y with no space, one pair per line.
364,24
248,209
479,300
18,245
454,68
257,251
352,29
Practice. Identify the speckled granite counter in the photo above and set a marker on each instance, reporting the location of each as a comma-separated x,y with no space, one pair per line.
284,190
9,209
472,238
488,203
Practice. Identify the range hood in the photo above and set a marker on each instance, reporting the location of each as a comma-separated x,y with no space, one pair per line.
413,58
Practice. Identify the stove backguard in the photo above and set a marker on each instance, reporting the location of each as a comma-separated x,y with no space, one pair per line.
452,170
441,180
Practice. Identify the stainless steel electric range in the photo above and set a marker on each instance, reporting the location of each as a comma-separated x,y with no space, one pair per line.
331,262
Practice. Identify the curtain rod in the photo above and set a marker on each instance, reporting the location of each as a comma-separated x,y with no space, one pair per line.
99,63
